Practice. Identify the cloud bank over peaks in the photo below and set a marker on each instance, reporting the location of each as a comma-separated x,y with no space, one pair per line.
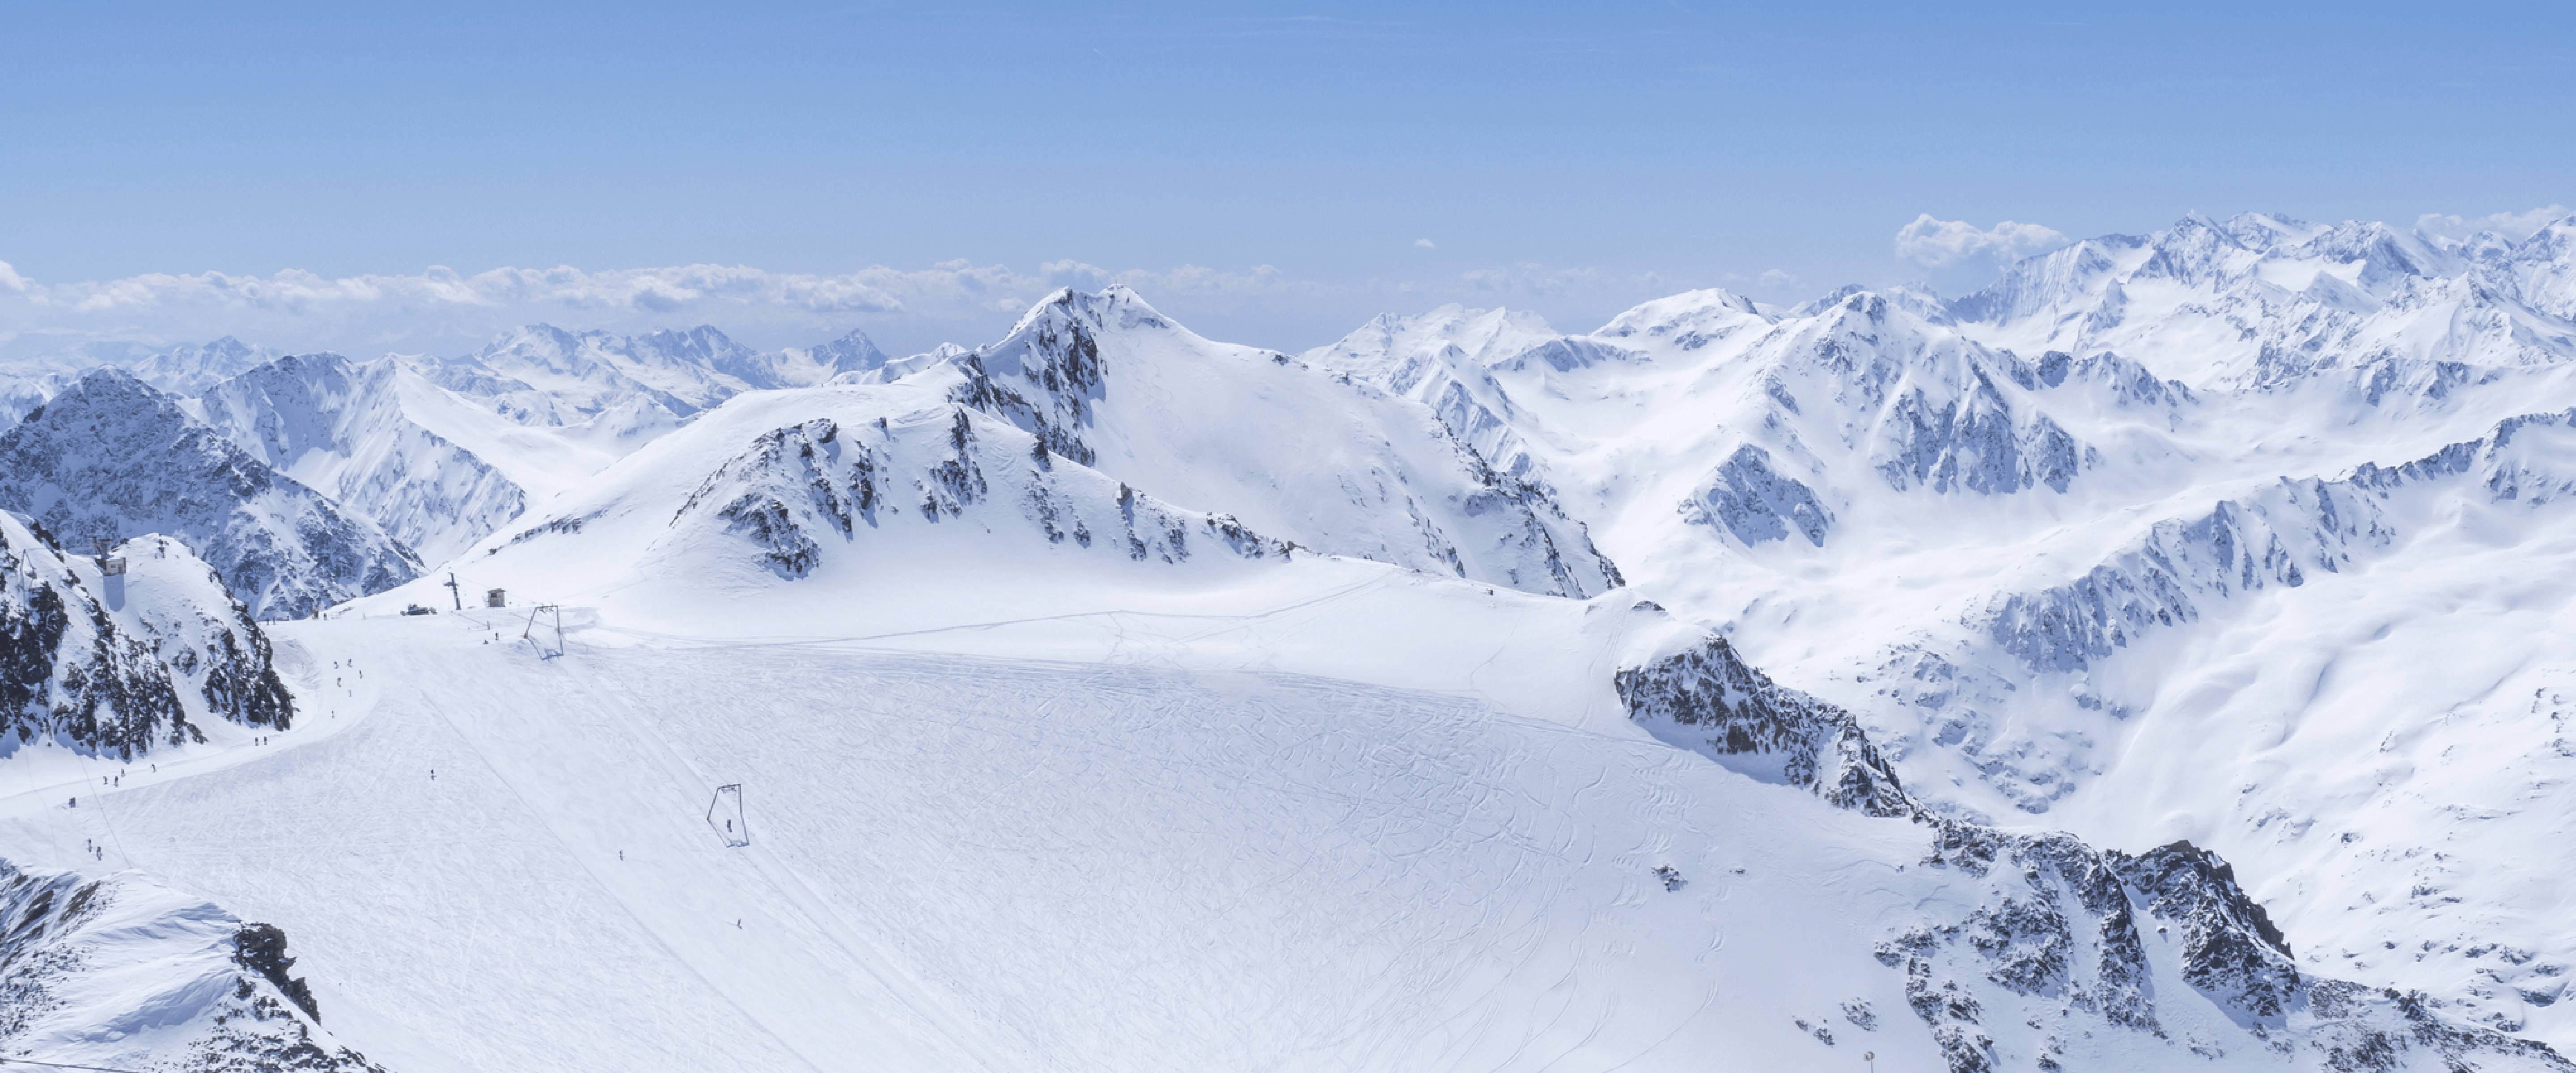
442,311
1942,243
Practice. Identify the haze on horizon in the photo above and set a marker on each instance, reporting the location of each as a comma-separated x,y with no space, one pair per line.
311,176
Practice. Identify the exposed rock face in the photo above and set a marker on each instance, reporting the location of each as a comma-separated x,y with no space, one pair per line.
66,671
1708,700
213,992
2039,937
797,489
1446,359
112,458
2229,946
118,665
1935,411
2161,580
1758,504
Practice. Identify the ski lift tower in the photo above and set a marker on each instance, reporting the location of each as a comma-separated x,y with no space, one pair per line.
530,633
725,816
454,593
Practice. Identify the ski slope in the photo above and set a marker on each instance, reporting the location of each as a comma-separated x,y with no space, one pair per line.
963,861
1320,814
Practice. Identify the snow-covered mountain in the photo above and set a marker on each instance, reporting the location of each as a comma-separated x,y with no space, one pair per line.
2154,659
150,655
2264,301
1072,431
111,458
341,428
2020,534
184,369
2055,922
1107,381
544,375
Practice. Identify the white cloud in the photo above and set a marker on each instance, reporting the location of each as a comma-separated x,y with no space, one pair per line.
2514,226
1777,278
440,308
1939,243
1425,244
443,311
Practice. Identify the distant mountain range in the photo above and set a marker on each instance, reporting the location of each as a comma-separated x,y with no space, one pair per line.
2173,632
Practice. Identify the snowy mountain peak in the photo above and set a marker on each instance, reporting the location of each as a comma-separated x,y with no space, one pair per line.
1115,306
347,429
112,458
1688,320
852,352
137,648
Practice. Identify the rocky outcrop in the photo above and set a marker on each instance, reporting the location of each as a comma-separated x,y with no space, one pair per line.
2037,940
117,665
1707,699
119,973
1757,503
798,489
2230,949
67,673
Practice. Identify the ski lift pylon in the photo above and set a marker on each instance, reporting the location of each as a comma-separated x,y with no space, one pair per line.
725,816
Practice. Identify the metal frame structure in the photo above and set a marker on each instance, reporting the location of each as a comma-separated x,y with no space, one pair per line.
737,833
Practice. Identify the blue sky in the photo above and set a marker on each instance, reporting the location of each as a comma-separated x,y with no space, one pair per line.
1271,172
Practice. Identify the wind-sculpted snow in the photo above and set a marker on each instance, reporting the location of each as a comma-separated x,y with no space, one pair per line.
339,427
120,973
111,458
118,665
2038,940
2119,541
